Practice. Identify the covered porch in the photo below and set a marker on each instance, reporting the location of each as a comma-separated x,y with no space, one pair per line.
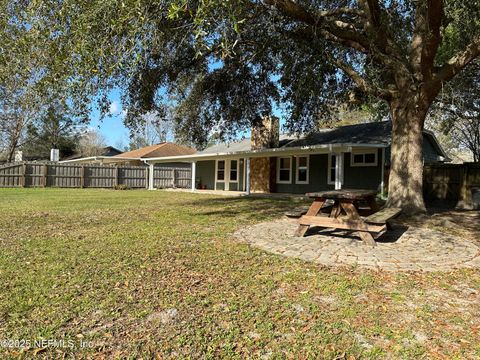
285,170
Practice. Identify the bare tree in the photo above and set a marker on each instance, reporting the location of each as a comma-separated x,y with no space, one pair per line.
91,143
18,109
153,129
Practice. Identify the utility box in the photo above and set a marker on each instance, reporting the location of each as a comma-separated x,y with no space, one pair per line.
54,155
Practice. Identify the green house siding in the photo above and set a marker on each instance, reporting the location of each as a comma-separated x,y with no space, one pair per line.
362,177
205,173
317,177
430,154
355,177
206,176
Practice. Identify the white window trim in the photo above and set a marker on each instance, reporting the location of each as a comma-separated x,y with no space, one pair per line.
224,171
330,168
357,152
230,169
297,169
278,170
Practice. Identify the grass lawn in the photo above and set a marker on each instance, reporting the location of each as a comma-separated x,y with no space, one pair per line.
139,274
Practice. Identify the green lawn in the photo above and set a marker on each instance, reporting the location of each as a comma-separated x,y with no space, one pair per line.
139,274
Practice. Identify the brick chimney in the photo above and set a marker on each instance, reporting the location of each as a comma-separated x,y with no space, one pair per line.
265,135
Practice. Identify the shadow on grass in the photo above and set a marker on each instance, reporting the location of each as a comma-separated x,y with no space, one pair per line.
248,207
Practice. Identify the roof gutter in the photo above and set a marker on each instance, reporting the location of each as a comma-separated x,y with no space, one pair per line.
267,152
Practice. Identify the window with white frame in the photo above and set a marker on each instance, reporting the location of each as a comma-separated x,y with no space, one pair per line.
284,170
364,158
302,169
233,170
220,170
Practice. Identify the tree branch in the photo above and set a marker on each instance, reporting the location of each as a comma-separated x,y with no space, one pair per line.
426,37
327,20
456,63
360,81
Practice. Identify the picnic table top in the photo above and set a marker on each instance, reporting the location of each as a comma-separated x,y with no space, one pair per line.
349,194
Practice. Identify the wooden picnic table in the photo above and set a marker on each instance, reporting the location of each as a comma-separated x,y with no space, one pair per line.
344,213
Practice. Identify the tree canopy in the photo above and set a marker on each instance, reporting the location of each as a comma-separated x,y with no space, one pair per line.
223,64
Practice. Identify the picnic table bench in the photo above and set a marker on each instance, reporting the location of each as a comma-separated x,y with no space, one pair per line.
344,214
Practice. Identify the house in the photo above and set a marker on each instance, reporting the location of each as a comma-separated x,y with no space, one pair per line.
107,151
355,156
137,157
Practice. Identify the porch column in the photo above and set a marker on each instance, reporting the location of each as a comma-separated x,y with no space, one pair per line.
150,176
194,171
247,177
338,171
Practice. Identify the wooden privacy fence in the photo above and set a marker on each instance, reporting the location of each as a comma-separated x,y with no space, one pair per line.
172,178
28,174
453,182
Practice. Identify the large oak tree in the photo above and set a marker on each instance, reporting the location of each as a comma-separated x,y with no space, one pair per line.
222,64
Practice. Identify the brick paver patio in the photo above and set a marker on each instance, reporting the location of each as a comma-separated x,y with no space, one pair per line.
402,249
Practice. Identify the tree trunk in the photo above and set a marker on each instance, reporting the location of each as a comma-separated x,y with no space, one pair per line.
405,188
11,151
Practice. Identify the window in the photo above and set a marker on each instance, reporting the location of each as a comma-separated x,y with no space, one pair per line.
364,158
221,170
284,170
234,170
302,170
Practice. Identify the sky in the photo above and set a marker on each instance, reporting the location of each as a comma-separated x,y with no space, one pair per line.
111,127
115,132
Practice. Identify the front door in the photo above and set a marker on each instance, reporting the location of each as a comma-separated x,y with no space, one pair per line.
231,170
335,170
228,173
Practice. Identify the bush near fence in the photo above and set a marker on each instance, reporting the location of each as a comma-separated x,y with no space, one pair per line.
31,174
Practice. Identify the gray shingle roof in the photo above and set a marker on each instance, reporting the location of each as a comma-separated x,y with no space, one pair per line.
378,133
375,133
369,133
242,145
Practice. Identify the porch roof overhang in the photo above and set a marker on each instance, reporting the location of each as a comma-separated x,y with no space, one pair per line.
316,149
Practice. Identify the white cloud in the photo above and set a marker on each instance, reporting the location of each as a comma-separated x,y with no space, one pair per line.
114,108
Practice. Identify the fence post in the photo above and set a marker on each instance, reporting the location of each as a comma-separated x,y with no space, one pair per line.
23,174
45,173
115,180
174,184
464,201
82,176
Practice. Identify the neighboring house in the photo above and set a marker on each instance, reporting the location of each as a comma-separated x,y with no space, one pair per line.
137,157
107,151
355,156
